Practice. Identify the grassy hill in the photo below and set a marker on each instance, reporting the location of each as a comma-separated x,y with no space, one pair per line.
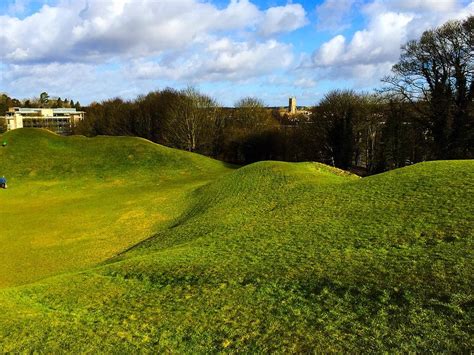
270,257
75,201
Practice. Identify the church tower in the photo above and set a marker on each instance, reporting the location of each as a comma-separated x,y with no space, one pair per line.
292,105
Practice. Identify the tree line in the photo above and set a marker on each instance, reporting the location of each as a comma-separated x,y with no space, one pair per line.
43,101
423,111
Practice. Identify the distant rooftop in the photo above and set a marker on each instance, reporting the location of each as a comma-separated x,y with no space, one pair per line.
25,110
65,110
33,110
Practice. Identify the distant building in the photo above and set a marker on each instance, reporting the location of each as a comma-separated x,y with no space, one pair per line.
59,120
294,114
292,105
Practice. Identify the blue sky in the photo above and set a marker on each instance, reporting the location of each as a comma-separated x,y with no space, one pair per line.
91,50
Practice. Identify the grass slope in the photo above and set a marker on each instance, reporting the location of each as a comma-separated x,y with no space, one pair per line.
75,201
276,257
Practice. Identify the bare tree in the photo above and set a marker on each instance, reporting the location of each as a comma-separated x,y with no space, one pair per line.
191,120
251,115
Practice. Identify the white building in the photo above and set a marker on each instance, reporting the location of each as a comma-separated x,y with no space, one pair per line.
59,120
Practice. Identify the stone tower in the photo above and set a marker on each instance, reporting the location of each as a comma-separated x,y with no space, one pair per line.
292,105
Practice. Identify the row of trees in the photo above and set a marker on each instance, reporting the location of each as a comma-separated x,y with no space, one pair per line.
185,119
43,100
369,132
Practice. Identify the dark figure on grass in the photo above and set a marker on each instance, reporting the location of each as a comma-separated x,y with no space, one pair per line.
3,183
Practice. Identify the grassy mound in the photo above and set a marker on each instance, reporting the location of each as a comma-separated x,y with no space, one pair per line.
276,257
76,201
41,155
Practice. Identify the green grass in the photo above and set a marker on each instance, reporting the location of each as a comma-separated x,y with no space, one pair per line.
270,257
76,201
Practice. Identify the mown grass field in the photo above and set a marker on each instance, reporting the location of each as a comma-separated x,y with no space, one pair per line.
270,257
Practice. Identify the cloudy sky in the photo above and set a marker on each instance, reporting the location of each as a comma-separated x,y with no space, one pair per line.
91,50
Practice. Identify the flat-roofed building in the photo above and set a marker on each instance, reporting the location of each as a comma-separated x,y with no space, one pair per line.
59,120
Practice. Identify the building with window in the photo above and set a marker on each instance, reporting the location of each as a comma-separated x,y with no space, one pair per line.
59,120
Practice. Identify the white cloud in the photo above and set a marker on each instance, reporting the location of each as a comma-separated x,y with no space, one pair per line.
380,41
426,13
422,5
305,83
372,45
82,31
331,52
77,81
220,60
37,36
333,14
370,53
147,27
283,19
75,77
